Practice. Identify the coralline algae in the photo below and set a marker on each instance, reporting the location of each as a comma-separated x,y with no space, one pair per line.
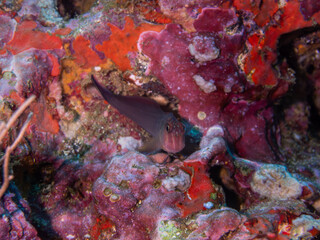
250,167
276,179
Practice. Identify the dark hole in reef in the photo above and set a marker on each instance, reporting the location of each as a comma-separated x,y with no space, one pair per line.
31,180
310,69
72,8
297,48
220,176
301,61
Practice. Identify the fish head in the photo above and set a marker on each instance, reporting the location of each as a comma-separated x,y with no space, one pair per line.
172,135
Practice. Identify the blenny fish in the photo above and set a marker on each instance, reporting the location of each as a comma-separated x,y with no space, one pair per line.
166,130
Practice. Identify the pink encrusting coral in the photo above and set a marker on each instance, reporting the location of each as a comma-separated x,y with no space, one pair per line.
202,70
210,54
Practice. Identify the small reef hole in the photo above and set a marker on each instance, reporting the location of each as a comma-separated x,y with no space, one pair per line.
221,176
72,8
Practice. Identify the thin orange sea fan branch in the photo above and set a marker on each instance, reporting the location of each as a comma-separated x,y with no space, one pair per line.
2,126
3,130
5,127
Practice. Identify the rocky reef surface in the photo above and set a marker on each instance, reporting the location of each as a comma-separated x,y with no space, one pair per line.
243,77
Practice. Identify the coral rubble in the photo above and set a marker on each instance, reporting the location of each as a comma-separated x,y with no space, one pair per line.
243,77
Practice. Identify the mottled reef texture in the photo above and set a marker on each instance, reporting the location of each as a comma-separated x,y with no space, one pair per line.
243,77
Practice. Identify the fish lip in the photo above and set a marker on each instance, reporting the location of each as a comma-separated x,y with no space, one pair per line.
174,146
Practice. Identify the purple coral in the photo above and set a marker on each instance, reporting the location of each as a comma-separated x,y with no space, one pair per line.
14,222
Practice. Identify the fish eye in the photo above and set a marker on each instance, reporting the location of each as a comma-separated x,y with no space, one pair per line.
168,127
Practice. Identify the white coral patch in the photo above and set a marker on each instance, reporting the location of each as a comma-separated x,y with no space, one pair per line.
70,129
137,79
165,61
129,143
302,226
181,182
275,182
208,50
204,85
70,237
213,132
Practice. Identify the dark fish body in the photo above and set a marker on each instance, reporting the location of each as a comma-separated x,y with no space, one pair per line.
164,127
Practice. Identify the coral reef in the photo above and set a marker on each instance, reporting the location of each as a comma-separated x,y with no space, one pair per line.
242,77
14,217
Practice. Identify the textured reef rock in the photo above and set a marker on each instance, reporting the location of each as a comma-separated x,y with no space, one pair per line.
14,223
242,76
69,202
8,26
141,196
